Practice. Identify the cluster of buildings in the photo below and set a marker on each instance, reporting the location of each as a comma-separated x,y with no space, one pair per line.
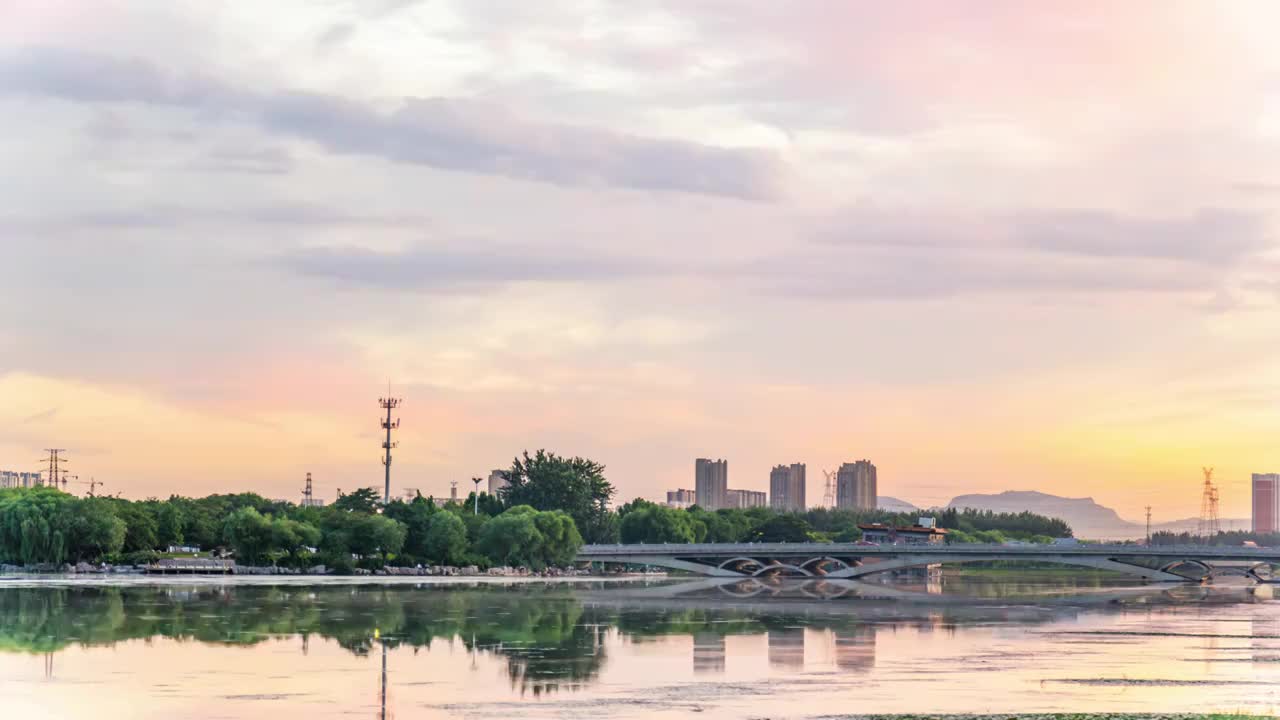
855,488
16,479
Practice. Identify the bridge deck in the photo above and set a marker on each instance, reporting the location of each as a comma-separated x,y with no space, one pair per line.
1013,552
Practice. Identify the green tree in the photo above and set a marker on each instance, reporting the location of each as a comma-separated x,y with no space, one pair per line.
546,481
95,530
523,536
658,524
249,534
416,518
513,539
375,535
446,539
782,528
140,526
169,523
364,500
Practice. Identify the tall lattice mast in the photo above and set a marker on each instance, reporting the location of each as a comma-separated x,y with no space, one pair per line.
388,403
1208,526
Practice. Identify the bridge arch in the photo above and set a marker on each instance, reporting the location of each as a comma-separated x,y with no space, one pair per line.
735,564
782,567
816,563
914,561
1206,570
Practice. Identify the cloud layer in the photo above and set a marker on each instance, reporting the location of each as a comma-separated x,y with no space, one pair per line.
998,245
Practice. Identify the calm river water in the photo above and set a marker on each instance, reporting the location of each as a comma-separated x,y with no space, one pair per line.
306,649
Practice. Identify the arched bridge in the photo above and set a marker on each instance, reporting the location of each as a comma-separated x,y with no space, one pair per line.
1173,563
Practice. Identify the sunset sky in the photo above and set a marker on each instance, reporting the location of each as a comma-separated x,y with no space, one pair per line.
988,245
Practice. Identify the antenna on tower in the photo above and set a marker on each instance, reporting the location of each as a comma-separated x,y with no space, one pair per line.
388,403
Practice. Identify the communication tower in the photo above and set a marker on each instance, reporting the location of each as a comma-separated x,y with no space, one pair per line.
453,490
307,498
388,403
1148,525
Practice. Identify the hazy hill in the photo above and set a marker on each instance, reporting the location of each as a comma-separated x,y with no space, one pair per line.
1087,518
893,504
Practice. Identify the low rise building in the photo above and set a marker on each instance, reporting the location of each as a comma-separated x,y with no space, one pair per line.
743,499
924,532
681,498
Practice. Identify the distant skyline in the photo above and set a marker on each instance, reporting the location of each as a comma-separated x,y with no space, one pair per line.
989,245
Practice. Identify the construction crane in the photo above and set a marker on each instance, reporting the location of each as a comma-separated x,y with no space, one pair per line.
66,478
92,483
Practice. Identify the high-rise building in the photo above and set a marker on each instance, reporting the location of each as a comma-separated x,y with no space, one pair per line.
497,481
786,487
711,480
856,486
1266,502
743,499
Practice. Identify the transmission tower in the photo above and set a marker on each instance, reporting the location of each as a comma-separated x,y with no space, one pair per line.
1215,525
307,497
388,403
55,459
829,493
1208,525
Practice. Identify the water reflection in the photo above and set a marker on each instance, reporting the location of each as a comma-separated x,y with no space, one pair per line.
559,639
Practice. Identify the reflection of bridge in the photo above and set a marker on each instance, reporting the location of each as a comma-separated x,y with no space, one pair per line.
1173,563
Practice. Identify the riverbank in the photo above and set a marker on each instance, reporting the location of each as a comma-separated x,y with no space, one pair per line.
222,568
1057,716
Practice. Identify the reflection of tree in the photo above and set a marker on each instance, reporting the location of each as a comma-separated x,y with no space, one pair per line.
548,639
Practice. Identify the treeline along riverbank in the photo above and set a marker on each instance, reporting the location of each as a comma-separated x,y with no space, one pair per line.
552,506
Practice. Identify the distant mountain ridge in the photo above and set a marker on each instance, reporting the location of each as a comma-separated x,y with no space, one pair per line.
1086,517
893,504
